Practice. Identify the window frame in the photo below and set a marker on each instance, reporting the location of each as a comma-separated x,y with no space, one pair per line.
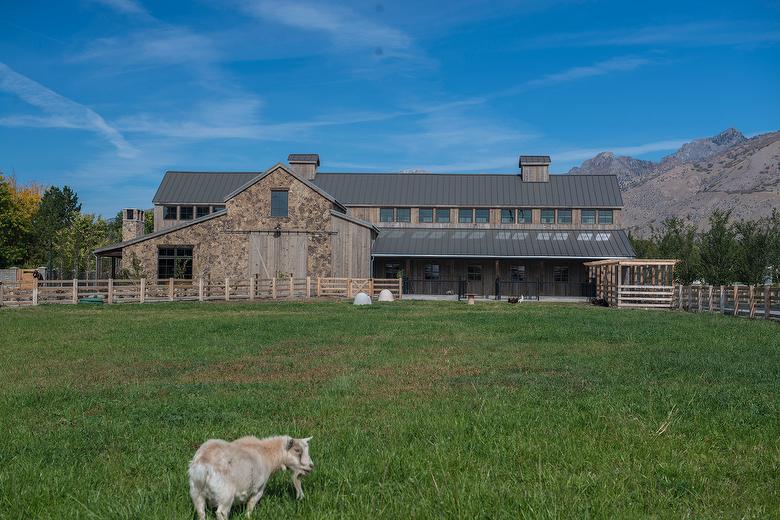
395,269
511,216
484,220
465,212
432,272
167,209
521,268
274,211
171,255
474,272
198,211
382,214
560,274
524,212
605,212
588,211
563,212
442,215
425,220
549,220
407,211
186,213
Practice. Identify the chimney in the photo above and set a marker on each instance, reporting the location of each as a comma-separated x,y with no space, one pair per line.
132,223
304,164
535,168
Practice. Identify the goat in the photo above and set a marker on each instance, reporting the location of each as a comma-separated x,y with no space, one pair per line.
222,473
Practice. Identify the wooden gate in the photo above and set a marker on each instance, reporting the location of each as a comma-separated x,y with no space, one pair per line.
270,255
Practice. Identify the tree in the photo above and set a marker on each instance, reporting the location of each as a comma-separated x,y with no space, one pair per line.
148,221
643,247
719,250
752,257
57,210
18,206
773,246
77,242
677,239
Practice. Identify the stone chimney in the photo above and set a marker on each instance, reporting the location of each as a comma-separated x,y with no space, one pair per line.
132,223
304,164
535,168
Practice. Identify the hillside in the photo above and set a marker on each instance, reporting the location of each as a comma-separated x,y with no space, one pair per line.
727,171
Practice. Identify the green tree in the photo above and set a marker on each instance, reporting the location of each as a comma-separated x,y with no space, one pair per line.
148,221
753,251
18,206
719,250
643,247
57,210
773,246
677,239
78,241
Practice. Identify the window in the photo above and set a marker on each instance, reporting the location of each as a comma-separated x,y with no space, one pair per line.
392,270
403,214
214,209
442,215
482,215
588,216
507,216
130,214
202,211
170,213
431,271
386,214
525,216
560,274
174,262
425,214
605,216
517,273
548,216
564,216
279,203
475,273
466,215
185,213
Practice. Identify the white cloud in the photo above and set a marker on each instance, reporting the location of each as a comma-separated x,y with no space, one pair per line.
60,111
639,149
124,6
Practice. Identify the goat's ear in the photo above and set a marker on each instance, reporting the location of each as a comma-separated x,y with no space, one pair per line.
307,439
290,443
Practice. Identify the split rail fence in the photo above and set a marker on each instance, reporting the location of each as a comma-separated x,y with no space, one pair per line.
142,291
750,301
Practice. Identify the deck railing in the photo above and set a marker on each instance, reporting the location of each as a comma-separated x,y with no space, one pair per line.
200,289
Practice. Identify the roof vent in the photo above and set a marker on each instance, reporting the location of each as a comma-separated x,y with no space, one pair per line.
304,164
535,168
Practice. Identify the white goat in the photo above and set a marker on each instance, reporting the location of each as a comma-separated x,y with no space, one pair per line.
222,473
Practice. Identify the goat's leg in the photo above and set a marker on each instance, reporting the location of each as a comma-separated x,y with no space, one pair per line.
296,479
223,510
253,500
200,506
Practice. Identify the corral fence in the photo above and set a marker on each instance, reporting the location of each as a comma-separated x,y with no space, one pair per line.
750,301
200,289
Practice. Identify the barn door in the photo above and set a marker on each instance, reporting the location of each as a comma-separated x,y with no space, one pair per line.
270,255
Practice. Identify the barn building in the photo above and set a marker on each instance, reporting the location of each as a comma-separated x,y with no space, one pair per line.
526,229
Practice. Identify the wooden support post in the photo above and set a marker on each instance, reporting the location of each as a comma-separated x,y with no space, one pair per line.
680,298
2,289
74,295
349,287
710,300
252,279
722,300
35,291
201,289
619,284
400,287
767,302
371,287
273,288
170,289
227,288
110,291
308,286
142,291
752,302
699,301
736,300
292,287
319,287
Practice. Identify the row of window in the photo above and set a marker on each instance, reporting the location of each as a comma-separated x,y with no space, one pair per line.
188,212
482,215
517,273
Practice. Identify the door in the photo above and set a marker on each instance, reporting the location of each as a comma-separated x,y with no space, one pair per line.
270,255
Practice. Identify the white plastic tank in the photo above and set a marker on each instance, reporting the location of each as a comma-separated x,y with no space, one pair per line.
385,296
362,298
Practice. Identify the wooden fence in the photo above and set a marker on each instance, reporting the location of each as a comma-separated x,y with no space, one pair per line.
201,289
750,301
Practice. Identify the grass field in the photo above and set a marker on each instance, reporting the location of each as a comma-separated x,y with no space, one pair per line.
418,409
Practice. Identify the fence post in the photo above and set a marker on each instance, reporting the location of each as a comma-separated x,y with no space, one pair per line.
680,299
2,289
110,290
201,287
767,302
142,291
349,287
308,286
252,287
170,289
292,288
75,291
752,301
710,300
227,288
273,287
371,287
736,300
400,287
35,291
319,287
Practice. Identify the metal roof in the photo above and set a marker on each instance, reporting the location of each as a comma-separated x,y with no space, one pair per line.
309,158
531,160
492,190
502,243
199,187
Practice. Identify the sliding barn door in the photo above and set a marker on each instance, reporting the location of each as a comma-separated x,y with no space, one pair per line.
270,255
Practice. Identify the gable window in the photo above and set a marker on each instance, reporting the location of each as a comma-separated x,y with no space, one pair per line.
214,209
482,215
202,211
170,213
431,271
605,216
475,273
403,214
425,214
466,215
507,216
442,215
279,203
560,274
185,213
564,216
130,214
518,273
588,216
525,216
392,270
386,214
174,262
548,216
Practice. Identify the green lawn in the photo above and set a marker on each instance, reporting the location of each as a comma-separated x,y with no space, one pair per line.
418,409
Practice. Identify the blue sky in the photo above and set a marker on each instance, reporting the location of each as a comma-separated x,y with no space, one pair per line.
105,95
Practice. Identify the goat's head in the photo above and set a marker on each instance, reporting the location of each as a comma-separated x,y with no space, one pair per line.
296,455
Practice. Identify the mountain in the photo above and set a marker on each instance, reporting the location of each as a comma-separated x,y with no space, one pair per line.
727,171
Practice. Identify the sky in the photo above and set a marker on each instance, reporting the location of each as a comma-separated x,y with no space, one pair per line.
106,95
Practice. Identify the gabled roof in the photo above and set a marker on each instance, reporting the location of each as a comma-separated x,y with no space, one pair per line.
488,190
199,187
307,158
534,160
273,168
502,243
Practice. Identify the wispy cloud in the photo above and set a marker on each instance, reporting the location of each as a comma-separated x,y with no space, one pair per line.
124,6
60,111
639,149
